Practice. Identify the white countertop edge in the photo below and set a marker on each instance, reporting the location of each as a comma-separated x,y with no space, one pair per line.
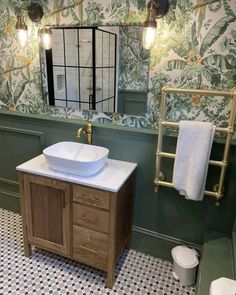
104,179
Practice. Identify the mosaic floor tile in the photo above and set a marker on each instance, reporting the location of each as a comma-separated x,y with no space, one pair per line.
46,273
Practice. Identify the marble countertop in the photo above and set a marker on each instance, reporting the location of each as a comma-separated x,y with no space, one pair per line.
110,178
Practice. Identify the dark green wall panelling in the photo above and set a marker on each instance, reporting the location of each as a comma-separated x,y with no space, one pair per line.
16,145
22,144
159,218
132,102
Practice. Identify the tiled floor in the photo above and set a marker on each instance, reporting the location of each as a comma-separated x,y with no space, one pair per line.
46,273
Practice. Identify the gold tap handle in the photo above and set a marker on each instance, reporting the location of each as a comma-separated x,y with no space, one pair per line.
88,130
89,122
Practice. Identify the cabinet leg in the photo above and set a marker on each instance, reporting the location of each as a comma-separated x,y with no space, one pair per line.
110,279
128,242
27,249
27,246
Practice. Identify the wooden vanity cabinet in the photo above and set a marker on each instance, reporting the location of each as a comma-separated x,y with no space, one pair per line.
46,213
89,225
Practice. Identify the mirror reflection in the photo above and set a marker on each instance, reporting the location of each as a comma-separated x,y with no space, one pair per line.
97,68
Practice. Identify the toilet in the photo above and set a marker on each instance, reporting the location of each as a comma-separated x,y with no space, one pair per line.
223,286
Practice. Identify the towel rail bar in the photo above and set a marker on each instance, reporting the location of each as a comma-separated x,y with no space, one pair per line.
176,125
202,92
229,130
170,184
172,156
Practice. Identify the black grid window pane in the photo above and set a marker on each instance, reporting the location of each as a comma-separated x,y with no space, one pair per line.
59,83
72,84
57,48
86,88
111,88
100,50
85,47
71,47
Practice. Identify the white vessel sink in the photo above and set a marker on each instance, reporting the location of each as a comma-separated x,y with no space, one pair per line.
76,158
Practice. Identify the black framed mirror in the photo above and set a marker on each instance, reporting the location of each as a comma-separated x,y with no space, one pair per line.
96,68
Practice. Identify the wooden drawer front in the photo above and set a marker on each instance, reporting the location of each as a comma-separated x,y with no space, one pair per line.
91,196
90,217
90,247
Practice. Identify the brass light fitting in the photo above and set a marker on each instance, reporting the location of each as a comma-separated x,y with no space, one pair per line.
45,36
20,24
35,13
21,29
156,9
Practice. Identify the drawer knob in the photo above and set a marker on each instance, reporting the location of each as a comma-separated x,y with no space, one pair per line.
89,219
89,249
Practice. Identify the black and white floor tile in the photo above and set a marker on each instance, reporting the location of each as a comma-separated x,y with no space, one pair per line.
45,273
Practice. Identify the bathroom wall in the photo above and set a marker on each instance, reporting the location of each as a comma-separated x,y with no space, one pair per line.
196,49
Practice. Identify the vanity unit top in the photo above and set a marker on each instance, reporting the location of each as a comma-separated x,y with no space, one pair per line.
88,219
110,178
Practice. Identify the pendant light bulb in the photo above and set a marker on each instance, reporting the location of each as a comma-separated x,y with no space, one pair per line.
150,26
149,37
22,36
21,30
46,38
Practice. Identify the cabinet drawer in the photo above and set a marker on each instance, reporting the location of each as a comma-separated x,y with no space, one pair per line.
90,217
91,196
90,247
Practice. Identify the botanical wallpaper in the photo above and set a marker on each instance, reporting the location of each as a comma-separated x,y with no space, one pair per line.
195,48
134,59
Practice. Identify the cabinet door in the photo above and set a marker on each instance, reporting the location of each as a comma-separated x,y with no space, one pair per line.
48,213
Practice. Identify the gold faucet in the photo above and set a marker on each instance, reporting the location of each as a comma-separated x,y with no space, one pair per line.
88,130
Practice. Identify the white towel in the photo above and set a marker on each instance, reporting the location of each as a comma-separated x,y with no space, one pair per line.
192,158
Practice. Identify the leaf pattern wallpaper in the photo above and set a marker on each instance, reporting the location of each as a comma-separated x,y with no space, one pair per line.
195,48
134,65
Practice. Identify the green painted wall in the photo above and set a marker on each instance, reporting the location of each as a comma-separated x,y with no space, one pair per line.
160,219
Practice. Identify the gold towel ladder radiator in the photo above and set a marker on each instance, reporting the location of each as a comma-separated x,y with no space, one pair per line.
229,130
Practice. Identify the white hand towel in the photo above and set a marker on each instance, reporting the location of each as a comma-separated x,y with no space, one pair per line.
192,158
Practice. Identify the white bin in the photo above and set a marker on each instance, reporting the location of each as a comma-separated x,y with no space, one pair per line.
185,261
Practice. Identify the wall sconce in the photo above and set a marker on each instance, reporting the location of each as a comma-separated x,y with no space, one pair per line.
156,9
35,13
21,30
45,37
